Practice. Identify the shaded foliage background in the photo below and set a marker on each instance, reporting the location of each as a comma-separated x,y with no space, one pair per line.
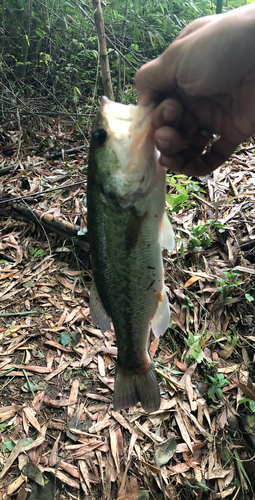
49,50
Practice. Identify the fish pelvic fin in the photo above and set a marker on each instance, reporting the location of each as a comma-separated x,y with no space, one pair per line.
161,319
97,312
166,235
130,388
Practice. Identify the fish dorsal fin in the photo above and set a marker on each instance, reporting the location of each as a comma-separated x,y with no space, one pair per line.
166,235
161,318
97,312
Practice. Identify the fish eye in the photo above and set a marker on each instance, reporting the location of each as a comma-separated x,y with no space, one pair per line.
100,136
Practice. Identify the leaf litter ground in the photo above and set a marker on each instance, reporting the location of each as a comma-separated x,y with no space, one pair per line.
60,436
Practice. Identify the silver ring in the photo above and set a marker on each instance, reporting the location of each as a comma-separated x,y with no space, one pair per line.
206,134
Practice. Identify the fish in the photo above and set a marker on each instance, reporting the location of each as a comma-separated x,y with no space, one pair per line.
127,229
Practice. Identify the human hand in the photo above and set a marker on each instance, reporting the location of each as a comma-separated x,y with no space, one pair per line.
205,81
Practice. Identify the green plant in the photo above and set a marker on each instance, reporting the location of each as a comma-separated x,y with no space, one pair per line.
189,303
216,383
201,234
37,253
184,187
250,401
195,350
249,297
228,284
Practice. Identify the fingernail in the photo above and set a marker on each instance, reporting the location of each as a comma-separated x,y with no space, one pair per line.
162,144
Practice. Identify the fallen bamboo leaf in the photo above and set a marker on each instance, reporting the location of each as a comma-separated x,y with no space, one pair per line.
73,397
8,412
217,473
15,484
192,280
30,415
121,420
54,452
247,390
98,397
84,472
12,457
172,381
35,443
114,448
151,467
62,477
165,451
71,469
178,469
56,372
59,346
183,430
100,425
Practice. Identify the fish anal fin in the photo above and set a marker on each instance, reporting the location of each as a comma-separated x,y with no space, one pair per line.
97,312
166,235
130,388
161,318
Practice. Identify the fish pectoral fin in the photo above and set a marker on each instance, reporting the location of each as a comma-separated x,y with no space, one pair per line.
97,312
161,318
166,235
130,388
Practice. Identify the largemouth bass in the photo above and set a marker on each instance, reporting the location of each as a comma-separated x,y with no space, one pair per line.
128,228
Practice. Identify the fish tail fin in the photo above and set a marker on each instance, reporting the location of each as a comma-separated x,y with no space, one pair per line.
130,388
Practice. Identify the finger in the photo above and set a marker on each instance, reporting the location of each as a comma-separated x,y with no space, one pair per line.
169,141
219,152
196,145
188,125
168,112
175,163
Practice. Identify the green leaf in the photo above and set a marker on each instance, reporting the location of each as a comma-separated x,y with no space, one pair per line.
143,495
252,406
182,251
64,339
8,446
249,297
165,451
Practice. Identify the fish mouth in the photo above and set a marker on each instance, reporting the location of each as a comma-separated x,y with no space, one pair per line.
124,135
126,121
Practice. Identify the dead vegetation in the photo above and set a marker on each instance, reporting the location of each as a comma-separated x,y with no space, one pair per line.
60,437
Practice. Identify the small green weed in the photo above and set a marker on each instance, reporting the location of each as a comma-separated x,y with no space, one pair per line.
249,297
189,303
216,383
37,253
250,401
228,284
195,350
184,189
200,237
201,234
64,339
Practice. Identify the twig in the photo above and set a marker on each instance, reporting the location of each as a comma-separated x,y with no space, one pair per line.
41,193
232,186
4,315
54,224
6,170
65,152
203,201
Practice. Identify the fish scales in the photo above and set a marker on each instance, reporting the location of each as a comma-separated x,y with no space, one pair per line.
125,240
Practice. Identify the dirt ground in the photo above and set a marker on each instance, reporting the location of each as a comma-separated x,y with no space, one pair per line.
60,437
